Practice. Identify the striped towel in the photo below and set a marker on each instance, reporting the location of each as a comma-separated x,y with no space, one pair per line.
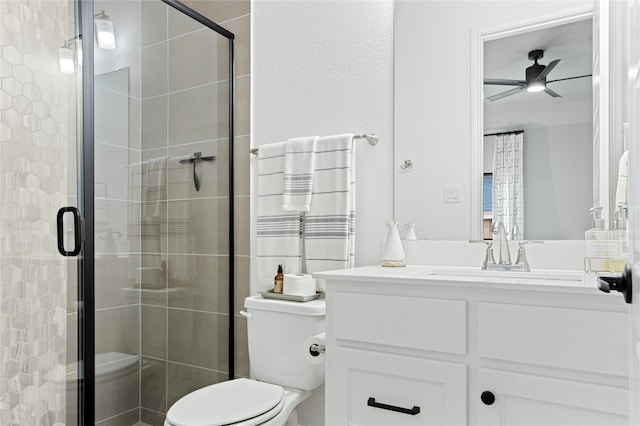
149,179
279,241
329,226
299,160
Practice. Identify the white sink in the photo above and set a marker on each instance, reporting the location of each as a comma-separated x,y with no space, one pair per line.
544,276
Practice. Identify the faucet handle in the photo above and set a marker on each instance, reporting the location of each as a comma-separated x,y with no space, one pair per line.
488,258
522,254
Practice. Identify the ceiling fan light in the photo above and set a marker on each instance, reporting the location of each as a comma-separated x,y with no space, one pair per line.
536,86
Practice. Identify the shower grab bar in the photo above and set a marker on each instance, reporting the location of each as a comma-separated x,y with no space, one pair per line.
197,156
372,138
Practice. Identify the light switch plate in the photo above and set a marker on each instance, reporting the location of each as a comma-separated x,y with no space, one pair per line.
451,193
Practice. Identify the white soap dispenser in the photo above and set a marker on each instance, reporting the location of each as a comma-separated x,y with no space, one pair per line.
410,234
393,254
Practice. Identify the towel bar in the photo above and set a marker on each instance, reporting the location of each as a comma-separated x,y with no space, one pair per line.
372,138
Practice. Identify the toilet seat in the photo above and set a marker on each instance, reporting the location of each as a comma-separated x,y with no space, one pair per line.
239,402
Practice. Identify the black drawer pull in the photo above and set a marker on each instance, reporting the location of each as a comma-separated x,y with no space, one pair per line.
371,402
488,398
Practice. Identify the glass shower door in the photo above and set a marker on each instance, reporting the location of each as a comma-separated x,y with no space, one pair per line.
162,215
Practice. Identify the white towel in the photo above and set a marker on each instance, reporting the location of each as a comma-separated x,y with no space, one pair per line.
299,161
279,241
329,227
622,190
148,179
178,230
154,200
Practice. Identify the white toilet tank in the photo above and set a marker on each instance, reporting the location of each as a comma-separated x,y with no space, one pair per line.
277,331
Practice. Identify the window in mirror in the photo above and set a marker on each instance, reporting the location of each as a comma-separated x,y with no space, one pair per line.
487,202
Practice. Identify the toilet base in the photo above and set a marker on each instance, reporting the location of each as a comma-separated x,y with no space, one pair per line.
289,416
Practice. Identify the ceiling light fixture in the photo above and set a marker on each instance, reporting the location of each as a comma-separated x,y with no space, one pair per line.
105,34
536,86
536,80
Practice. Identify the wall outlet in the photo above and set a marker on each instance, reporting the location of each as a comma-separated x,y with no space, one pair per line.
452,193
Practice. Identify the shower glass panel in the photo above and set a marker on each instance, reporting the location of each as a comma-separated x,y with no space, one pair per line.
162,210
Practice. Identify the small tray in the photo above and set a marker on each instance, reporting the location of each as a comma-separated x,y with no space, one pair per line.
293,298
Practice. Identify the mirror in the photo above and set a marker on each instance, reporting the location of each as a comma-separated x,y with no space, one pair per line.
440,118
537,146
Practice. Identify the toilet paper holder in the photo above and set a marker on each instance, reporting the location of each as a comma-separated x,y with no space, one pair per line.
316,349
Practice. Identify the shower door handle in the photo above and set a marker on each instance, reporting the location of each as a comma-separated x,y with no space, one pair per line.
77,231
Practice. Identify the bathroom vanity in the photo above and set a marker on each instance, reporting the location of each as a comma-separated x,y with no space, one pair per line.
454,346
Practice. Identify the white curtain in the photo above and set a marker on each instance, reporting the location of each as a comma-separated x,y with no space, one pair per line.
508,196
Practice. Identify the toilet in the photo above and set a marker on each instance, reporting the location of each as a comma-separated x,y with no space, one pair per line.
282,375
117,379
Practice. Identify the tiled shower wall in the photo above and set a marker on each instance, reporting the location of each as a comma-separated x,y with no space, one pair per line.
184,336
37,140
163,94
235,16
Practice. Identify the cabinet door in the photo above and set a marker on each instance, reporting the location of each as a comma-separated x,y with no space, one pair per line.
371,388
522,399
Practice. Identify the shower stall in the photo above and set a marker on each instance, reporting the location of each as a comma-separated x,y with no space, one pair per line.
116,231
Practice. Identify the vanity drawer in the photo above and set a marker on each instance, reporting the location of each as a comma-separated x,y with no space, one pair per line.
374,388
577,339
407,322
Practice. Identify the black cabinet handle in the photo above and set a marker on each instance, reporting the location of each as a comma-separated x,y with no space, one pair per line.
371,402
622,283
77,237
488,398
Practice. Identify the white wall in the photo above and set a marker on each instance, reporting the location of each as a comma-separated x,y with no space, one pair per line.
432,103
326,67
557,198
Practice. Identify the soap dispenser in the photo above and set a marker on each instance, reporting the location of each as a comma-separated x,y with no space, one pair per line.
600,246
393,253
621,237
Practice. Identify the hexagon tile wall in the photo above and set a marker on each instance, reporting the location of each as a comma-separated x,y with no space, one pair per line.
37,139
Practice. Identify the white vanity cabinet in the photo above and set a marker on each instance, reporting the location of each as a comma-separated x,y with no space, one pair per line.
405,348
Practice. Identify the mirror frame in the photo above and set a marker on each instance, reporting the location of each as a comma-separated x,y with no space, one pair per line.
600,94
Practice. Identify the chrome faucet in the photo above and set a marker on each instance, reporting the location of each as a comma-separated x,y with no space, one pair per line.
499,229
521,264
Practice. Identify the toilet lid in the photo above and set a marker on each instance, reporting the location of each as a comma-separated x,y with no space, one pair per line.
225,403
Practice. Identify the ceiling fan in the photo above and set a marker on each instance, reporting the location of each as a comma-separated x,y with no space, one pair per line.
535,78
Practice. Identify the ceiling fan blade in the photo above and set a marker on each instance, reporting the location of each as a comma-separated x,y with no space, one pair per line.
505,94
569,78
552,93
547,69
504,82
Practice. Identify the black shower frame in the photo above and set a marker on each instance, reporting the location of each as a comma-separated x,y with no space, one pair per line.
86,193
